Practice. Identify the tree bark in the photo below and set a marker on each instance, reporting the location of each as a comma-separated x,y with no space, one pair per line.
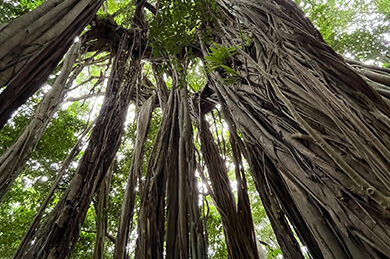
59,234
37,218
101,215
239,232
317,120
127,210
169,186
265,177
263,174
376,77
151,216
12,161
32,45
198,236
313,130
184,232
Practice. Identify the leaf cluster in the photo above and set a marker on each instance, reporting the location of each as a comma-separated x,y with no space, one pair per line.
176,24
359,29
12,9
221,59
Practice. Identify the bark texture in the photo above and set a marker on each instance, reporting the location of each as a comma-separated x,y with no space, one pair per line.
38,216
318,121
378,78
236,218
101,215
136,171
12,161
152,209
171,175
32,45
60,232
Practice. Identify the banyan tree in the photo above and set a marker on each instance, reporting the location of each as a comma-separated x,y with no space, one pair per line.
309,127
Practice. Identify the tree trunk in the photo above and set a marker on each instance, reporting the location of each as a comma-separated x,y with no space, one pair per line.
313,130
171,173
376,77
198,237
236,219
59,234
317,120
12,161
184,230
266,177
101,215
151,216
127,210
263,173
37,218
32,45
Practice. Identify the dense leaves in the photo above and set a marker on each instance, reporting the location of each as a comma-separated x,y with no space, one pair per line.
356,28
30,189
10,9
176,23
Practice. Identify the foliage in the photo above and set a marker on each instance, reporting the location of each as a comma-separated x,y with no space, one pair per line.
121,10
383,6
10,132
30,189
356,28
221,58
85,245
16,213
10,9
263,228
217,248
196,75
63,128
176,24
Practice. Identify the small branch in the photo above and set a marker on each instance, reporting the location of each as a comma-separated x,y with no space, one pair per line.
83,97
99,79
151,8
109,236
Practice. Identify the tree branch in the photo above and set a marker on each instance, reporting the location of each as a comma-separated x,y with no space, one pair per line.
83,97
